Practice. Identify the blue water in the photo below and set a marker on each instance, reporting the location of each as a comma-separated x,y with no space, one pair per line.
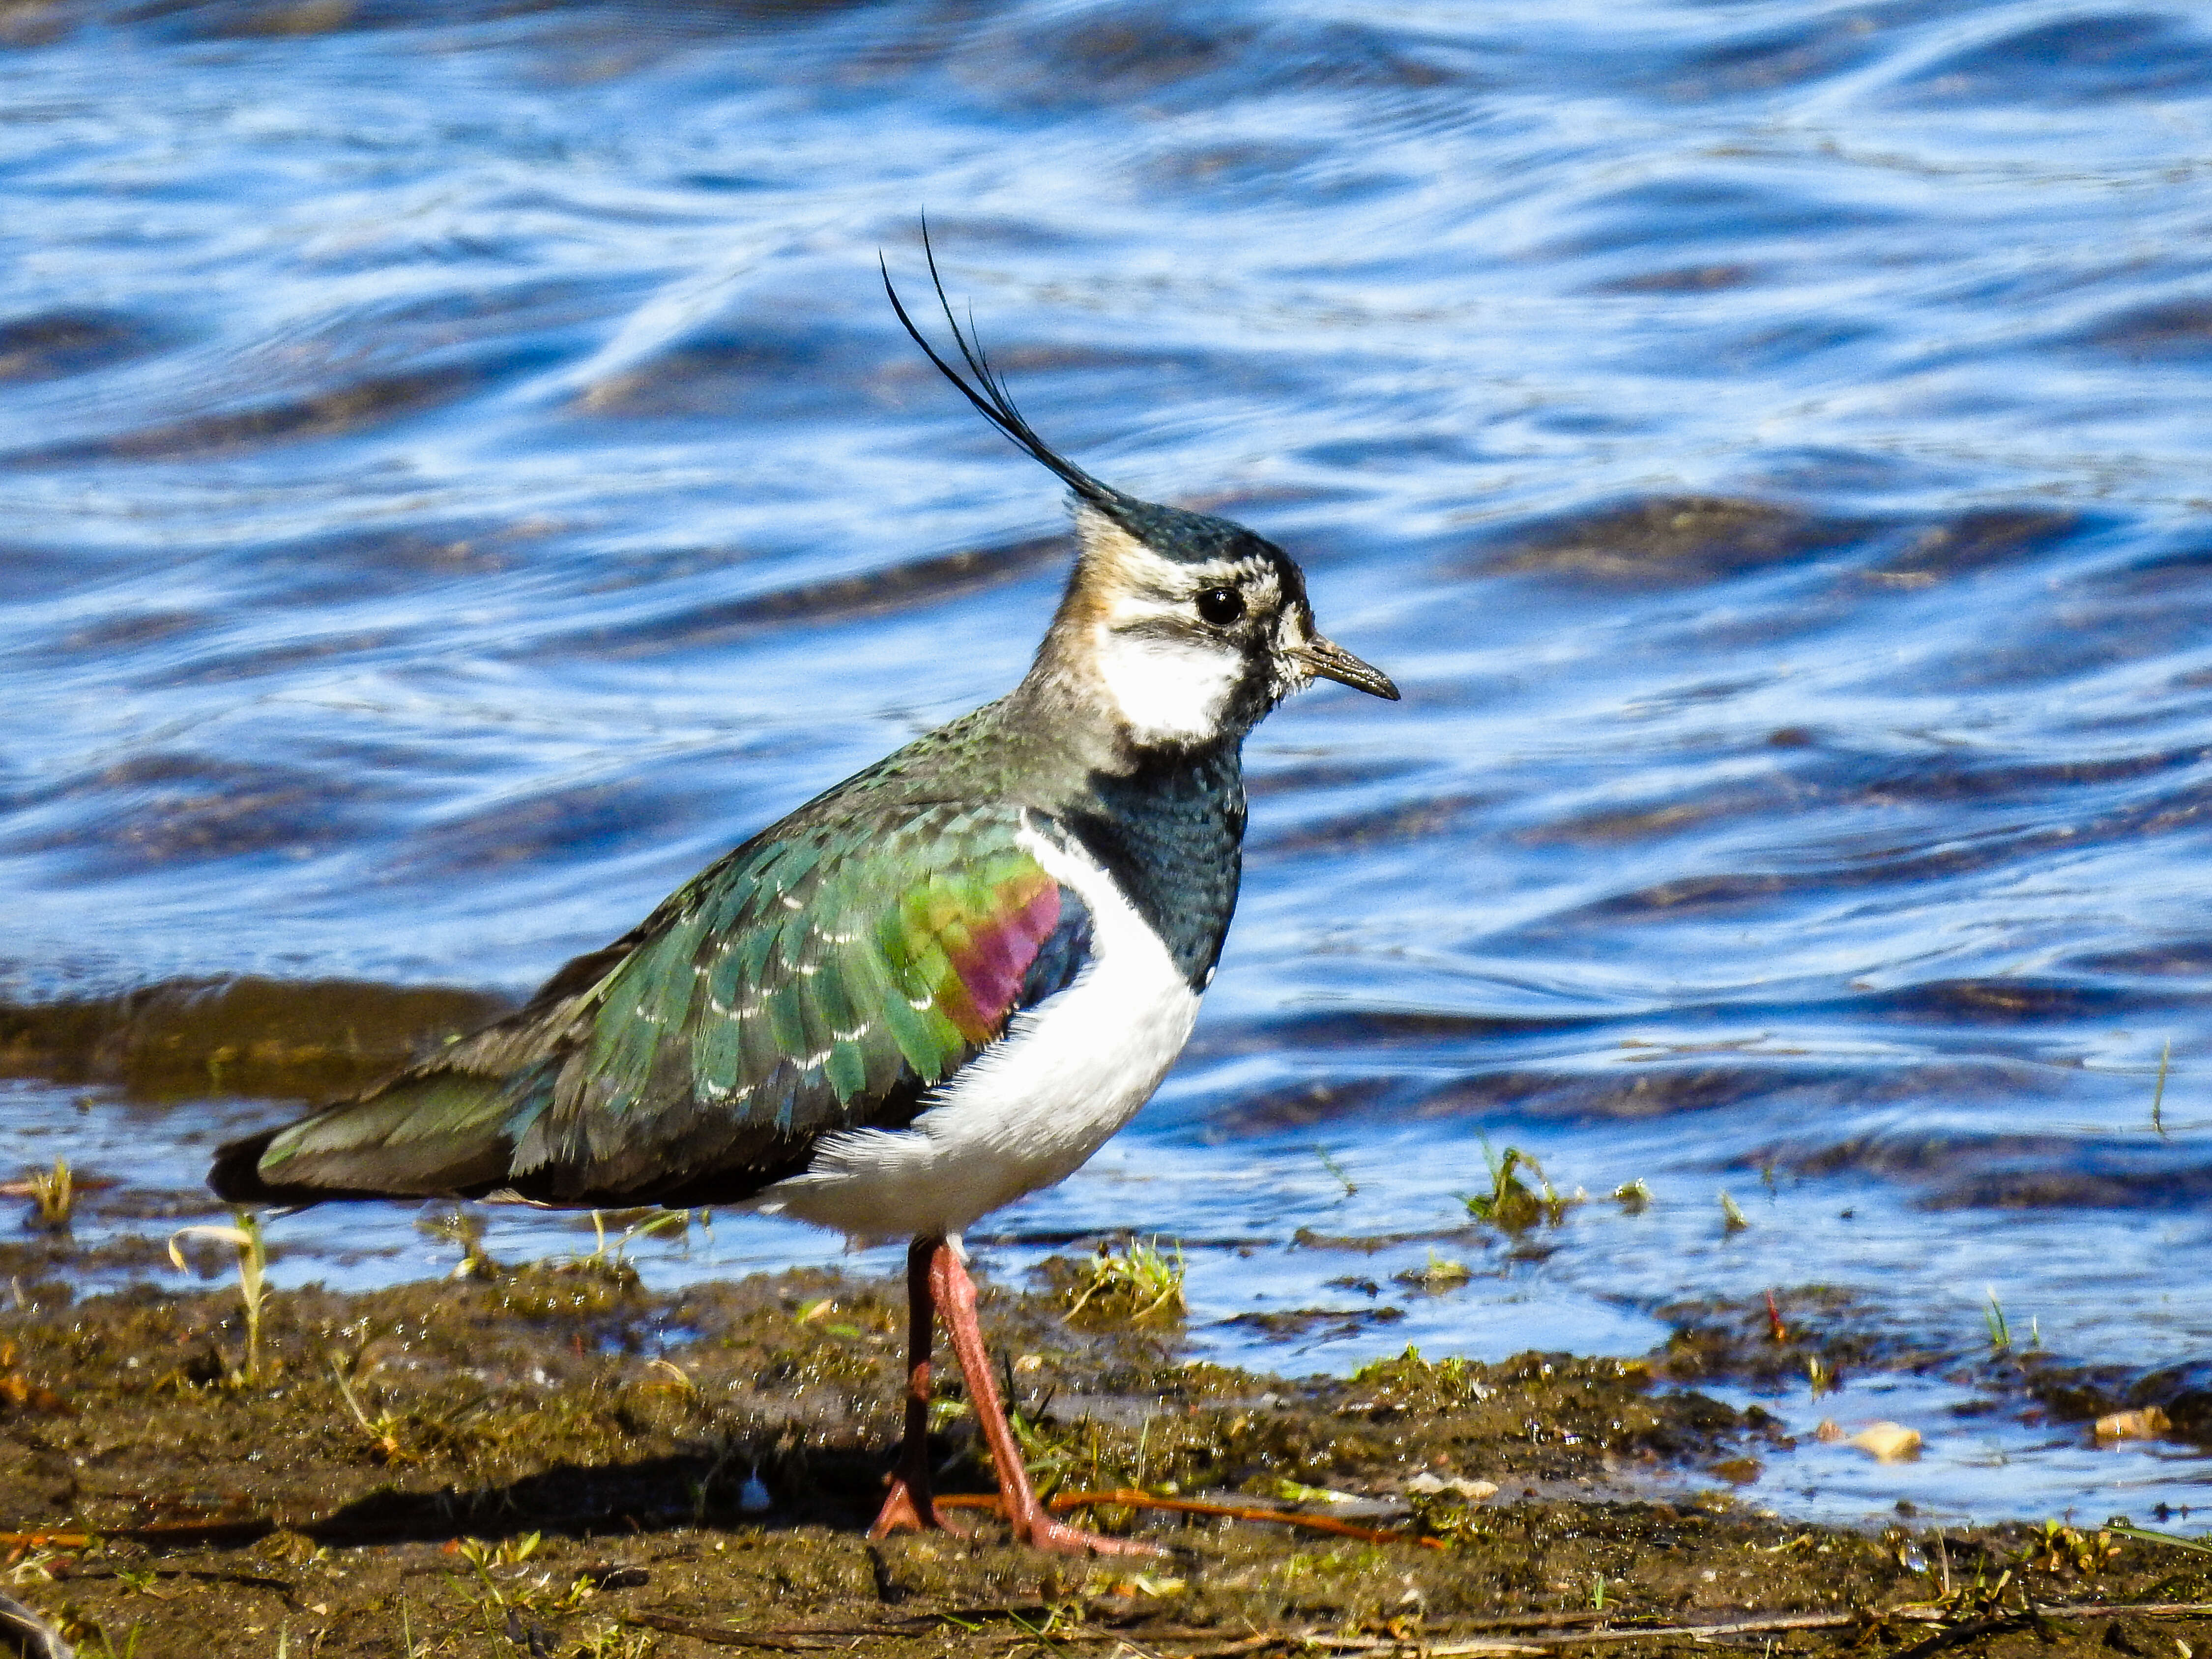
459,474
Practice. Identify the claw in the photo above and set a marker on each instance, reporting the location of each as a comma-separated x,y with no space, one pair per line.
902,1511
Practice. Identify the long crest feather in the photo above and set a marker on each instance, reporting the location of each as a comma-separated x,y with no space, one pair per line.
988,393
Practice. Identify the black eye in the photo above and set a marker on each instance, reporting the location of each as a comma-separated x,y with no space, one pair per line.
1220,605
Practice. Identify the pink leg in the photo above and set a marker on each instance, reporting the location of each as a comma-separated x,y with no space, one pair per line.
909,1506
955,1294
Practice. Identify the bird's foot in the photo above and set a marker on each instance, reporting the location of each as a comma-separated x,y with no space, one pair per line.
904,1512
1058,1538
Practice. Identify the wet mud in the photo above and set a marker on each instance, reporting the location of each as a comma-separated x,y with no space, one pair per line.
1836,1335
549,1459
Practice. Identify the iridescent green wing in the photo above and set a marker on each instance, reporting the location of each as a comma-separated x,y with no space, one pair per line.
824,975
819,979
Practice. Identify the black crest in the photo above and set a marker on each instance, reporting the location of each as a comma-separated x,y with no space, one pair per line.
989,393
1170,532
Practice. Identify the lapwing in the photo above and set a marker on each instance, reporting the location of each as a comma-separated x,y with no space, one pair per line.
935,987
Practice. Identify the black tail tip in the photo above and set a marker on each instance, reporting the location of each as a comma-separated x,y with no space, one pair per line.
236,1176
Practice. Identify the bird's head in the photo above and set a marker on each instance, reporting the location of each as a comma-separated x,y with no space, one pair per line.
1182,627
1188,626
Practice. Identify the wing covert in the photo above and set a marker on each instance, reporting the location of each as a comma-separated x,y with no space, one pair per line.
825,979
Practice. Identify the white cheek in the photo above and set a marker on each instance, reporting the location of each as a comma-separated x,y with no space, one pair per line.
1164,688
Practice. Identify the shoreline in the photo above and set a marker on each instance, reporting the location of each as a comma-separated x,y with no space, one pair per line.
549,1459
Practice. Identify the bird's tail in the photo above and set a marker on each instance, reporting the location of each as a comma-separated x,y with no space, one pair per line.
431,1133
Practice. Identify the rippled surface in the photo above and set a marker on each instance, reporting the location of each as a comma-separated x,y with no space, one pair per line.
458,474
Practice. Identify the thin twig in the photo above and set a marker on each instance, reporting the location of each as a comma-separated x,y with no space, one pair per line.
1428,1649
1958,1633
1144,1500
1394,1644
2140,1609
721,1636
198,1575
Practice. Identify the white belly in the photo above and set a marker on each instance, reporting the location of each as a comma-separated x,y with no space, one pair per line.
1027,1111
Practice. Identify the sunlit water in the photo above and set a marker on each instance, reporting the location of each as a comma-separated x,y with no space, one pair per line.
458,473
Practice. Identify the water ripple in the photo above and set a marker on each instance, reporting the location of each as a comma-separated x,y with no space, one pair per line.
460,476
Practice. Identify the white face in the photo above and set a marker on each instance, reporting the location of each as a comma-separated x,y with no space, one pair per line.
1167,690
1172,677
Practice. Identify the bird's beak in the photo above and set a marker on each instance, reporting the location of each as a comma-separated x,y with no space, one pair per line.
1331,661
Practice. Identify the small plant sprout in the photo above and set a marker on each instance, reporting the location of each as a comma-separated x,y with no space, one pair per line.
1818,1374
1336,1170
1135,1281
1634,1197
612,1642
54,1198
1512,1205
464,1228
616,1263
2158,1094
382,1430
244,1235
2057,1548
1732,1219
482,1558
1993,1316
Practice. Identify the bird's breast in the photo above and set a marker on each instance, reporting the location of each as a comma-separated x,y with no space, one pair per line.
1029,1110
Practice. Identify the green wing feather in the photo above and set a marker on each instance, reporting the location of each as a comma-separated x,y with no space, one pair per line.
823,977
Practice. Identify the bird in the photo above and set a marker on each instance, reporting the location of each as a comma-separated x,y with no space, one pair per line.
940,985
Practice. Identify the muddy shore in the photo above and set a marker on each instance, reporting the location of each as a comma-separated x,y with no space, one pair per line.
550,1460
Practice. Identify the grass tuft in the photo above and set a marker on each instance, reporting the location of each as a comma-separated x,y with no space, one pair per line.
1512,1205
54,1198
1131,1279
1993,1316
